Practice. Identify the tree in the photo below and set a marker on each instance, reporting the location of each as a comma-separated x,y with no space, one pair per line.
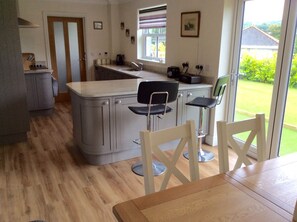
263,70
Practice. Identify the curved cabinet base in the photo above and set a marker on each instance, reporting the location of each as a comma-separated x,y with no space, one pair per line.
102,159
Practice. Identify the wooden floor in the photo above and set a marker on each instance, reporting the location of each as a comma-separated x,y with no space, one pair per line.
46,178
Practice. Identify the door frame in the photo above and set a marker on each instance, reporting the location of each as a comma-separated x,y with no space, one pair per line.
84,18
45,14
283,65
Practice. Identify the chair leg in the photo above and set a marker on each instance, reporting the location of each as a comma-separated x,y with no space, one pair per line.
158,167
203,155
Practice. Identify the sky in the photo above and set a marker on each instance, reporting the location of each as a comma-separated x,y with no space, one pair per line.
260,11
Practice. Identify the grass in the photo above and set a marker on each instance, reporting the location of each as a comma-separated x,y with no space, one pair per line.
254,97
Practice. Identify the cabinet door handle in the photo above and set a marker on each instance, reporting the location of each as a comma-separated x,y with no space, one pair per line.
180,95
190,94
118,101
105,103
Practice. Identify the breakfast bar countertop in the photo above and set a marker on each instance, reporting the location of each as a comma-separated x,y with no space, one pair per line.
103,88
36,71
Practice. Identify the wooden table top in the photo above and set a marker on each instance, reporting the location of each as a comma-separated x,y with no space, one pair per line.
217,198
275,180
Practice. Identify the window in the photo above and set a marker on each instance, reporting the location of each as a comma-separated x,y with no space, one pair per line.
152,34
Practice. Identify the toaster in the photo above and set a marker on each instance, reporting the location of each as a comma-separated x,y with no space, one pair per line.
173,72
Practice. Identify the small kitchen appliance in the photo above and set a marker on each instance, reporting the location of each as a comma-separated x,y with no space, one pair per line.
120,59
190,79
173,72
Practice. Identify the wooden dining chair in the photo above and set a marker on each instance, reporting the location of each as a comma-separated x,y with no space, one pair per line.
151,141
226,131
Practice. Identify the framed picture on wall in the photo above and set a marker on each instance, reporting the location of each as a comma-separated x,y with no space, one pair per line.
98,25
190,24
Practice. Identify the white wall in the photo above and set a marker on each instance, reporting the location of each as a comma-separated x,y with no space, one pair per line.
204,50
34,39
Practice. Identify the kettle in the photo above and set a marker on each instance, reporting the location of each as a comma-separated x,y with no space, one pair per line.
120,59
173,72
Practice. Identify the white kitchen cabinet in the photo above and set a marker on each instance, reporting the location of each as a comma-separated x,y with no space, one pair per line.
39,91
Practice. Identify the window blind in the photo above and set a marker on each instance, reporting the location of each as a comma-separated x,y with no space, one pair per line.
152,17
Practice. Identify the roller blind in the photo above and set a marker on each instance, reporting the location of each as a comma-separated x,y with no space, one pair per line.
152,17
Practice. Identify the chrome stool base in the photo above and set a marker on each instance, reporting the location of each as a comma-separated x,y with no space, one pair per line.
158,168
203,156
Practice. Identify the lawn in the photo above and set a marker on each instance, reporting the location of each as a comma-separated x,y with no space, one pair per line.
254,97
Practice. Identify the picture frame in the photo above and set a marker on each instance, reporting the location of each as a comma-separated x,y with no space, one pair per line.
132,39
127,33
122,25
98,25
190,24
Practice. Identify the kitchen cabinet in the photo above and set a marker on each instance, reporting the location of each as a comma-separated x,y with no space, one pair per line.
14,118
104,128
192,112
39,91
92,128
126,123
95,126
102,73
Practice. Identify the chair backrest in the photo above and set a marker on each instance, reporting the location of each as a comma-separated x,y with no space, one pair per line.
225,130
160,89
220,87
150,145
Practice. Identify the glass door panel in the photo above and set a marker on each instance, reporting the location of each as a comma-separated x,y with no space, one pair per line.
257,58
60,55
74,51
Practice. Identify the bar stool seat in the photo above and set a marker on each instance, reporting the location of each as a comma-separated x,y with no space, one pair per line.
203,102
156,95
155,110
207,103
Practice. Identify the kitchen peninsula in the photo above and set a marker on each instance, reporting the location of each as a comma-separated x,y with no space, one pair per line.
103,126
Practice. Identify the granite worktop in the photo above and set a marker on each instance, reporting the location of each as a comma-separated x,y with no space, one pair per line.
36,71
93,89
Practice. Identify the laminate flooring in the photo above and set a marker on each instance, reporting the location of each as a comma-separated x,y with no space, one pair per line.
46,178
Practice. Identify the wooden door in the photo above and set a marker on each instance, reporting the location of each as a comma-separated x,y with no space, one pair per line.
67,52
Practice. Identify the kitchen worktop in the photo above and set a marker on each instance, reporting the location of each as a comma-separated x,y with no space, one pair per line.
91,89
36,71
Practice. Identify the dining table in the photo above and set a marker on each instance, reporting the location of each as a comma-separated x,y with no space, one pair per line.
264,191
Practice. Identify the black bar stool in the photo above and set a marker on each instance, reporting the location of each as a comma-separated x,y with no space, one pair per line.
207,103
156,95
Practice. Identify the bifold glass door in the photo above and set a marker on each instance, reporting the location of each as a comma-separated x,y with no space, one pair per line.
258,69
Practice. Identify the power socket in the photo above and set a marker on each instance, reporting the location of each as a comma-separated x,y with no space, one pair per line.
199,67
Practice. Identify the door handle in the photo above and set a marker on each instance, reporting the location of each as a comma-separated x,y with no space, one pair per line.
105,103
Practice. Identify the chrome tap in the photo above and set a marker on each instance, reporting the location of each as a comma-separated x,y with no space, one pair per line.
137,66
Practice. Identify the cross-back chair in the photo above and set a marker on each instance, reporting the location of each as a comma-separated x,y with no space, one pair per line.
150,145
226,131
